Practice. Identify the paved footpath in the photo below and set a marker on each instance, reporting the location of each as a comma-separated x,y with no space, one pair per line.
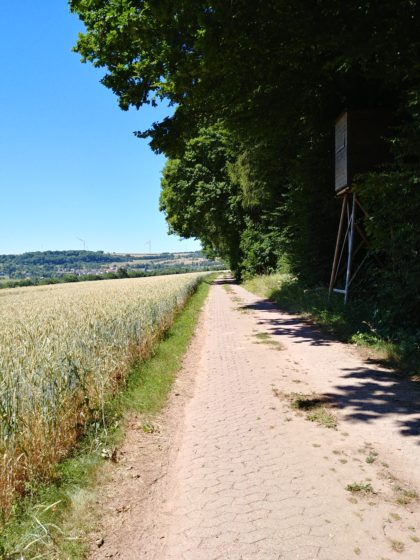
255,480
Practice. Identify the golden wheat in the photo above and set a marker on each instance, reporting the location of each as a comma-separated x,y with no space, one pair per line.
63,350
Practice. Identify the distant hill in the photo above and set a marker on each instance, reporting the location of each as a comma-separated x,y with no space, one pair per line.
56,264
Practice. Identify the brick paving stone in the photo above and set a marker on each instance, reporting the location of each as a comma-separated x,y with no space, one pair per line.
249,477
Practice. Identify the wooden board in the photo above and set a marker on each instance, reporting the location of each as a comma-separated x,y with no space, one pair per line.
360,144
341,153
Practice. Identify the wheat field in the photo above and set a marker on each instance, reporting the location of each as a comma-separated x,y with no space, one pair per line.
64,349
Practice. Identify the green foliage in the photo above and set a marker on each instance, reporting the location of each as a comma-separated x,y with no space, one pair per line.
75,258
393,228
392,200
122,273
260,247
199,199
267,80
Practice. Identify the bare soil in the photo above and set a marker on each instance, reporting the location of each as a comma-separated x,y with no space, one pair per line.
236,467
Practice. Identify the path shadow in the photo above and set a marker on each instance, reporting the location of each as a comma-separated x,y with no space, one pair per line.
224,281
373,393
303,331
373,390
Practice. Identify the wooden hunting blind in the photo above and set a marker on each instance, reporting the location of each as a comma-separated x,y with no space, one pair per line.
360,144
360,147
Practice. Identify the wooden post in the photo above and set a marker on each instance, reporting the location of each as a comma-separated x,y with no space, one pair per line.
337,245
350,248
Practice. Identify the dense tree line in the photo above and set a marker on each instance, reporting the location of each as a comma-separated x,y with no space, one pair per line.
256,88
74,258
48,263
118,275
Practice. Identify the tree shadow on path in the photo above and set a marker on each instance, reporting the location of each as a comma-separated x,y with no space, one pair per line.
303,331
372,392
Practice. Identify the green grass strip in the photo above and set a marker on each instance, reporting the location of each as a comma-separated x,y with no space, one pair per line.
47,523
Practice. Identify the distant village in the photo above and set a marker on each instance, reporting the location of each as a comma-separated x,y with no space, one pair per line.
57,264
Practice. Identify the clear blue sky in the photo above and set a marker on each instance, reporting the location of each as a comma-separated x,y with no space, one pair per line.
70,166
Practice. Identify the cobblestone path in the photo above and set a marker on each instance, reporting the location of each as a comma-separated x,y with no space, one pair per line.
251,478
255,482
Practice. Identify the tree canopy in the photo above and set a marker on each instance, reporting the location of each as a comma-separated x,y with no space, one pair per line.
256,88
198,197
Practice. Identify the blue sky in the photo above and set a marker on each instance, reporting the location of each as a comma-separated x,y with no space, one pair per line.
70,165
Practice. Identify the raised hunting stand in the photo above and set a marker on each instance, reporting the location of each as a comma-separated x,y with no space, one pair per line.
360,146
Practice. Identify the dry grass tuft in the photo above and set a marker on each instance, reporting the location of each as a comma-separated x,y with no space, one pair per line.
360,488
316,407
404,496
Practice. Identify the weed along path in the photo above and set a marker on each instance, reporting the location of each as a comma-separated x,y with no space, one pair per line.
277,443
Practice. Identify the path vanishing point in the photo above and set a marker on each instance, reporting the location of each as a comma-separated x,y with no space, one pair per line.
235,470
